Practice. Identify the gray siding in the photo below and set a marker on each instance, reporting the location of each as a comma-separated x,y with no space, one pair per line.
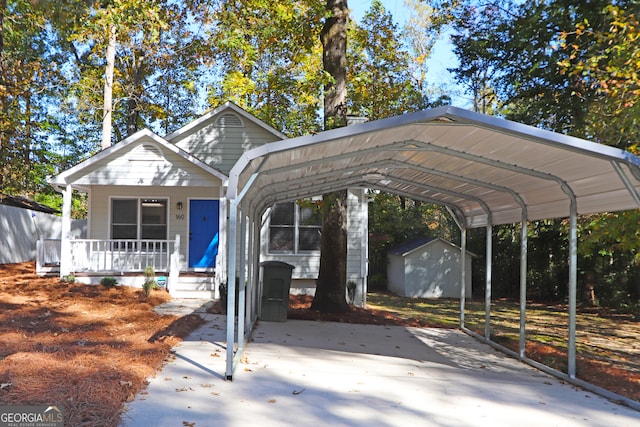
430,271
220,147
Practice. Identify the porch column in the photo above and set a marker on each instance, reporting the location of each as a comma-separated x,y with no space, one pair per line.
523,284
65,242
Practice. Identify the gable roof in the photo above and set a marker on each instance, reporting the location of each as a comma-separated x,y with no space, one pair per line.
487,170
70,175
203,120
410,246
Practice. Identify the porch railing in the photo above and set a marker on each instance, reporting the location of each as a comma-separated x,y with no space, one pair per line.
47,255
97,255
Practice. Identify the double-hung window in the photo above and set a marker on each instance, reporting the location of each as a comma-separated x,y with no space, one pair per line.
294,228
139,219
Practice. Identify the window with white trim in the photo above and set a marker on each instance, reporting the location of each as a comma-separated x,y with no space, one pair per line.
294,228
139,219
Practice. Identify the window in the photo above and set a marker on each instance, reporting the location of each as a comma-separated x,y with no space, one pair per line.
134,219
294,228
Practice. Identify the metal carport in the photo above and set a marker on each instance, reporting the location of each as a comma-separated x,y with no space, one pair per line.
486,170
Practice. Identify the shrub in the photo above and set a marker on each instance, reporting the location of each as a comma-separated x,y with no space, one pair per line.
150,282
109,281
69,278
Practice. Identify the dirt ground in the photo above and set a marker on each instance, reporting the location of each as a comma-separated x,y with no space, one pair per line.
90,349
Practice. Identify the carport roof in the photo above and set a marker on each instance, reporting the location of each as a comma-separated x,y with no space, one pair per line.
486,169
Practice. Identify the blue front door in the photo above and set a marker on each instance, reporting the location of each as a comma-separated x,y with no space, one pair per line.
204,229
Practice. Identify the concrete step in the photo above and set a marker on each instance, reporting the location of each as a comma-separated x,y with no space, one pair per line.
194,283
192,293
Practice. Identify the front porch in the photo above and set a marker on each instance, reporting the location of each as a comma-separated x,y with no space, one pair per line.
126,260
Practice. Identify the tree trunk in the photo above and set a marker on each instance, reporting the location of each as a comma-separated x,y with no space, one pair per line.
331,285
108,89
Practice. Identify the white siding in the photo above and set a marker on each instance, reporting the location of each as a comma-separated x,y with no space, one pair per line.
355,219
99,207
307,265
146,163
396,274
220,147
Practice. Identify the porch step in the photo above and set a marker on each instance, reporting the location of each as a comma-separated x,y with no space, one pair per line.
193,287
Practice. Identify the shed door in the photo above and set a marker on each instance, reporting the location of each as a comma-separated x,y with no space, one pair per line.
204,226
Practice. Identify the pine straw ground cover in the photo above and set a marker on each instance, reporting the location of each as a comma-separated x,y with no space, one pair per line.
87,349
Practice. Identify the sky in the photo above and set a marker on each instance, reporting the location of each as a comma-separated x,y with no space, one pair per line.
442,55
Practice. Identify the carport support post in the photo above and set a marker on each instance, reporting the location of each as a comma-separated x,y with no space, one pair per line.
463,267
231,285
523,285
487,290
573,276
241,282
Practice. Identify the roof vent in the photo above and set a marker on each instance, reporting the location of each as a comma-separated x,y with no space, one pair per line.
229,120
145,153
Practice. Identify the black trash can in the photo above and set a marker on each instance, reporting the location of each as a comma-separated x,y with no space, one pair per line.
276,283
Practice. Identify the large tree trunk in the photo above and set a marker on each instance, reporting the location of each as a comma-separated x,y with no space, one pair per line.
332,278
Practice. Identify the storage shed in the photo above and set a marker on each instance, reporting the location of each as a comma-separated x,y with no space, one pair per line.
427,268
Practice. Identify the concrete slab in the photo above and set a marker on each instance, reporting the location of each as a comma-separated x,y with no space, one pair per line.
319,373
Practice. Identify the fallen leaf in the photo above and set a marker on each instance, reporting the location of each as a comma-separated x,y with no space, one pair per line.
271,401
188,424
296,392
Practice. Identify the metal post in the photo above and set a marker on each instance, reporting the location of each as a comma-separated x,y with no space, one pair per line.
231,286
364,246
242,281
487,290
463,267
523,285
573,275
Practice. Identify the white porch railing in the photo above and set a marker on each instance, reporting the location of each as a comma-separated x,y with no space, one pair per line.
96,255
47,255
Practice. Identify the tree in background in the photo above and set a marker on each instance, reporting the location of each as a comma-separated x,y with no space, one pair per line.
331,285
568,67
157,62
380,81
269,60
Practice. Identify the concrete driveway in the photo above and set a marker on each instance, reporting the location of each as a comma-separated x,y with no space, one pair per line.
305,373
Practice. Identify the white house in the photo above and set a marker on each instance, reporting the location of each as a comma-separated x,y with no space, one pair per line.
427,268
160,201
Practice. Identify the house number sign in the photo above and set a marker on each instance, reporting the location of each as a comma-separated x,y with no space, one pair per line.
179,216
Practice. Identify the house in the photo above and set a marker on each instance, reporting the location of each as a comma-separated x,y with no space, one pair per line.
427,268
161,202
